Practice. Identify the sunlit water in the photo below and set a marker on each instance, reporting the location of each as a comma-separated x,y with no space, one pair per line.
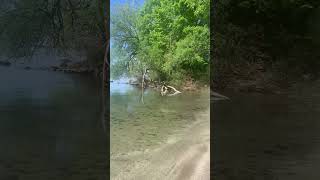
138,125
268,137
50,127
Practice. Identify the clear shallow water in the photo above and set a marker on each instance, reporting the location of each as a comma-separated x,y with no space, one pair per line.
273,137
137,126
50,126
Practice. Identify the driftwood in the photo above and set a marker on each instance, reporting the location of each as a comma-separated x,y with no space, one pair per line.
165,91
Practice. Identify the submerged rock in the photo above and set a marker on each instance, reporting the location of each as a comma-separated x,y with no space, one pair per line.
5,63
65,62
27,68
79,67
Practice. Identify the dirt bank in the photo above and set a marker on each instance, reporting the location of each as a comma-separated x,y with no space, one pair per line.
252,77
186,155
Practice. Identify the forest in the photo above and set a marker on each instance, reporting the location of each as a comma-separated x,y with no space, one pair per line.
256,45
263,45
168,38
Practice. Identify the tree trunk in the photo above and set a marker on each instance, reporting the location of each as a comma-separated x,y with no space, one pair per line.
143,78
104,83
143,84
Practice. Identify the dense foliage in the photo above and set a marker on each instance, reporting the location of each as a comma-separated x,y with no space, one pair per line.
275,33
171,38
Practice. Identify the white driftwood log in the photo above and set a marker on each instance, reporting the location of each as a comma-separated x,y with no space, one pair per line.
164,91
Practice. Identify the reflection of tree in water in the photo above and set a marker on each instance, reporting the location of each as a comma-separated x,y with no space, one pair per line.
154,106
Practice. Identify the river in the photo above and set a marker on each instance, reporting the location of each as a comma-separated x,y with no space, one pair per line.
150,137
273,137
50,129
50,126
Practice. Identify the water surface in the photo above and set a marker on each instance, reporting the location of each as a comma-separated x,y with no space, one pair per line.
139,125
50,126
273,137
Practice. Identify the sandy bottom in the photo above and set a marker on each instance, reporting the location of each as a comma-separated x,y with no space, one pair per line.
185,156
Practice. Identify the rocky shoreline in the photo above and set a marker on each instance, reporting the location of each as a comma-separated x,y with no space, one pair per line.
78,67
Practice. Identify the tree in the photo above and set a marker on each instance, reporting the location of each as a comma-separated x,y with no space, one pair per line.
29,25
171,38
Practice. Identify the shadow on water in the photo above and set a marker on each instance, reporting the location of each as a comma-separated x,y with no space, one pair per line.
274,137
50,126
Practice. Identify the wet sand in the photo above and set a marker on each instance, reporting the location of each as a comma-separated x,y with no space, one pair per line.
185,156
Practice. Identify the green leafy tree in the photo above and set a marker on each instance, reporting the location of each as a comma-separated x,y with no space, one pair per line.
171,38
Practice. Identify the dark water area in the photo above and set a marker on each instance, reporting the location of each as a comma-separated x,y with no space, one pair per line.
267,137
50,127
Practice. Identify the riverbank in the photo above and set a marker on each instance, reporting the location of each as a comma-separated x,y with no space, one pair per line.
186,85
257,77
56,63
185,155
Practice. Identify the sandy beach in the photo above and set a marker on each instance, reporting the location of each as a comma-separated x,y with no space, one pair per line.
185,156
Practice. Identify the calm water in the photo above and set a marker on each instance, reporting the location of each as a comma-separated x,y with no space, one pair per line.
50,127
268,137
137,126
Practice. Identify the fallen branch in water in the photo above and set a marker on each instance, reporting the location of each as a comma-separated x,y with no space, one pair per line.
175,91
164,91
